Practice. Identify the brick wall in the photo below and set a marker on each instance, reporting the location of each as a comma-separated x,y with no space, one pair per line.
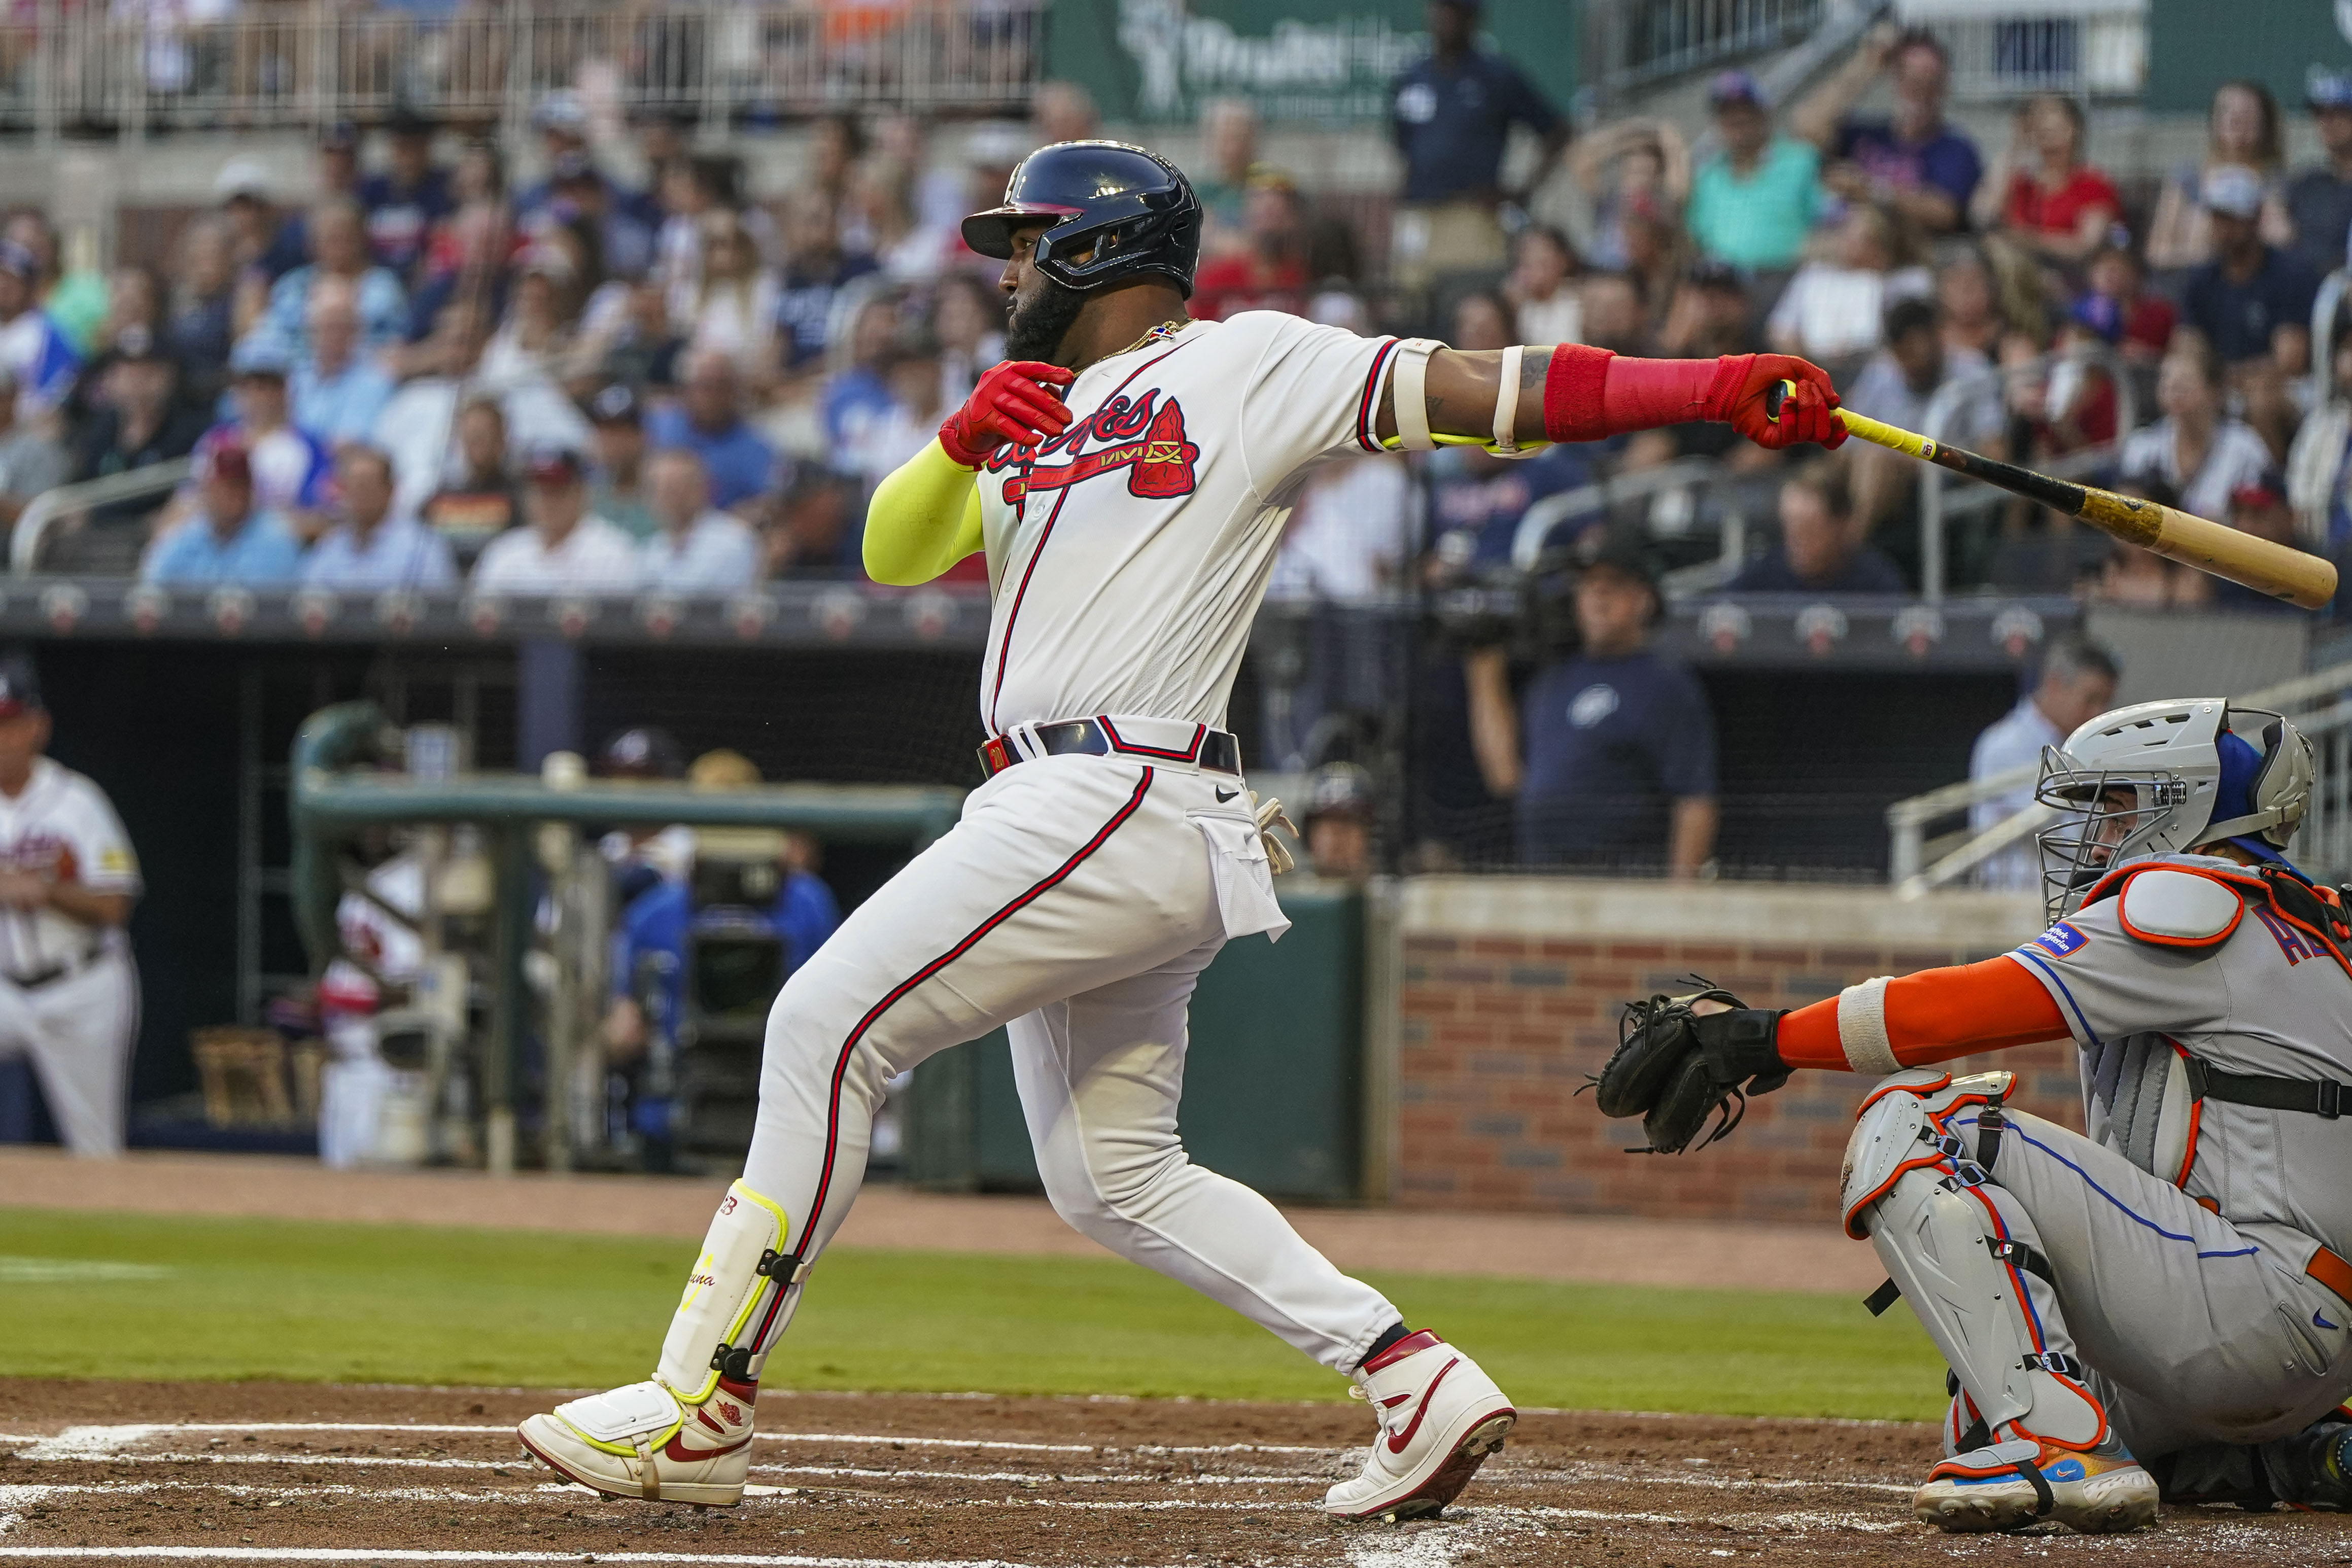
1498,1028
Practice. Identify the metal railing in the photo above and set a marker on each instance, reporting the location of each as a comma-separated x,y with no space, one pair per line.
46,509
1938,501
2002,48
2320,703
87,68
1630,44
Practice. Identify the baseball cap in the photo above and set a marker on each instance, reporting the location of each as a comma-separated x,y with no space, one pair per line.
2269,490
20,684
222,454
260,354
2328,90
1735,87
645,751
2231,189
552,463
241,177
615,404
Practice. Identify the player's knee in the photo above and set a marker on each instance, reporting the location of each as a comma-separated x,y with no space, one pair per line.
1097,1193
1916,1120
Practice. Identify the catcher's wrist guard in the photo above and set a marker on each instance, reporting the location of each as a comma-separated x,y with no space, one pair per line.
1673,1067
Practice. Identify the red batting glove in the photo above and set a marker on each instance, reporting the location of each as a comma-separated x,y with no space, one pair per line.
1010,404
1737,398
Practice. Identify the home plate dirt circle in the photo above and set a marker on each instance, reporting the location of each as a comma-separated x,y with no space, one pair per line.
286,1473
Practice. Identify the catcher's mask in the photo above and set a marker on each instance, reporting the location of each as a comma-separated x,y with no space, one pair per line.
1116,212
2164,777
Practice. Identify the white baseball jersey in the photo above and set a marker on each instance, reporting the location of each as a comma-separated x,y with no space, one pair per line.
62,827
1128,554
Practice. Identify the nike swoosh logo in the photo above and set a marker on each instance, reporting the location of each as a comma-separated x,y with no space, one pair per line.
2322,1322
1225,795
1398,1443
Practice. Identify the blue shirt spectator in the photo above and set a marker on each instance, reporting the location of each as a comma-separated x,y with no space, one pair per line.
708,421
1752,203
1477,501
32,347
816,269
1818,551
1452,112
2250,303
229,538
341,405
370,550
1912,160
403,201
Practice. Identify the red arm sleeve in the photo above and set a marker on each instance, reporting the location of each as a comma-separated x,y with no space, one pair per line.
1935,1016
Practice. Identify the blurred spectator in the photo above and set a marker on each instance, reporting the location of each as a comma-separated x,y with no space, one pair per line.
837,143
2121,309
370,549
290,468
1753,203
1541,288
854,389
644,348
2319,199
1912,162
139,423
566,549
2142,579
2259,507
695,548
200,326
1229,147
1451,113
1620,745
1063,111
407,198
31,350
73,297
2242,133
1968,297
619,494
578,193
2043,195
1350,533
1896,386
1612,310
531,342
734,305
262,241
1835,308
229,537
892,230
1651,179
560,119
817,271
1337,825
968,318
339,251
31,459
708,420
2252,304
337,393
1820,551
2204,455
1270,272
464,264
1711,316
483,500
2078,684
936,195
134,306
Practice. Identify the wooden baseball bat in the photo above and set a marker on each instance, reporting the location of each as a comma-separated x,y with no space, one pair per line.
2304,580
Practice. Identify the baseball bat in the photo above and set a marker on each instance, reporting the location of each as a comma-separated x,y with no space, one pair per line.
2304,580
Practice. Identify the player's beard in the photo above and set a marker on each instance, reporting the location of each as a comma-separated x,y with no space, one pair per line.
1036,330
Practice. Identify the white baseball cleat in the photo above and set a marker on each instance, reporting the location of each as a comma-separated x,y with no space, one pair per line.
2018,1483
1440,1417
642,1441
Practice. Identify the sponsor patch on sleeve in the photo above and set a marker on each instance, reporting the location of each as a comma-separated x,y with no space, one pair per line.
2060,940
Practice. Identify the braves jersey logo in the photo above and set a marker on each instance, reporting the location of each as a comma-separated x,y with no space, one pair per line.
1152,448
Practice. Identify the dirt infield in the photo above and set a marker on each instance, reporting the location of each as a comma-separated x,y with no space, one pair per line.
255,1472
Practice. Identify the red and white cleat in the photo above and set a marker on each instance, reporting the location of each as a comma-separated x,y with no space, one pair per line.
643,1441
1440,1417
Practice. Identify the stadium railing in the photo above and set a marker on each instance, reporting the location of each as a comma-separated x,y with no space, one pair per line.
2002,49
1633,44
65,67
2321,707
49,508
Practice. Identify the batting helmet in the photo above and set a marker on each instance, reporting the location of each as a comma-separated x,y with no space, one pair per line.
1117,211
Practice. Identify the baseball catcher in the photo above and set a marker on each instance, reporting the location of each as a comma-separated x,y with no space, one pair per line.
2159,1309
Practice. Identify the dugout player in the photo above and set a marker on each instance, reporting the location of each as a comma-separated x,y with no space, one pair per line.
2166,1301
68,996
1126,478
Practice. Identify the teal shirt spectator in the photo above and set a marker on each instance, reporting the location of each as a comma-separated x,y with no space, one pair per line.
1761,221
261,553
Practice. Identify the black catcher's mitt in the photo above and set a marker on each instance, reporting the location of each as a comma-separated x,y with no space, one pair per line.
1673,1067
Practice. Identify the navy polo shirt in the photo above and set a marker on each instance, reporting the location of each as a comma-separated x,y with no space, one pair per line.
2238,318
1450,123
1611,744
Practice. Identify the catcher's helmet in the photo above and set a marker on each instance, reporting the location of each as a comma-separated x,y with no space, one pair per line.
1119,210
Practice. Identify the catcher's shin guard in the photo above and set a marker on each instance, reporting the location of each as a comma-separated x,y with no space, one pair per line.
1967,1261
686,1435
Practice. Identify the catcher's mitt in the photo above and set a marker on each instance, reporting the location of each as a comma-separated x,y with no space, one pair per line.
1672,1067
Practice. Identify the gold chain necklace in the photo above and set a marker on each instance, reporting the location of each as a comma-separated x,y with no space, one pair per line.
1165,330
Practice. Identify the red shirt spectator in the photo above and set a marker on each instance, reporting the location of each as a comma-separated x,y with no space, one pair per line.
2052,202
2031,204
1271,275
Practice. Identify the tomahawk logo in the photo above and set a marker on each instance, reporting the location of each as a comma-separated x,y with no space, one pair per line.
1150,446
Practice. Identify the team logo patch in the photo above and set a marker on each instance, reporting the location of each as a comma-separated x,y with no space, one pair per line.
1149,446
2060,940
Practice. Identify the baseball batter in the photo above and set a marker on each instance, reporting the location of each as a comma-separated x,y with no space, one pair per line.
2162,1307
68,996
1128,477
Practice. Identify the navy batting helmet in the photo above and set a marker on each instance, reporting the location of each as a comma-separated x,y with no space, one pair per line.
1117,211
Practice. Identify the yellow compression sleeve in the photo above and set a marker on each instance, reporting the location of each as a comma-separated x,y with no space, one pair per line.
923,520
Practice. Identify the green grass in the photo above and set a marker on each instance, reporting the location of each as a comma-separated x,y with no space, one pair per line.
398,1304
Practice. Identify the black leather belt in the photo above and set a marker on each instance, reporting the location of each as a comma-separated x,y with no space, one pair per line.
1211,750
2313,1096
54,973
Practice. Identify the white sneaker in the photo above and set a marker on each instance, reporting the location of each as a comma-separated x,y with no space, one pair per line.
643,1441
1440,1417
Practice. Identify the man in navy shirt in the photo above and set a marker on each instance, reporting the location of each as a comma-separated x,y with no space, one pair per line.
406,199
1820,550
1912,160
2251,301
1620,744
